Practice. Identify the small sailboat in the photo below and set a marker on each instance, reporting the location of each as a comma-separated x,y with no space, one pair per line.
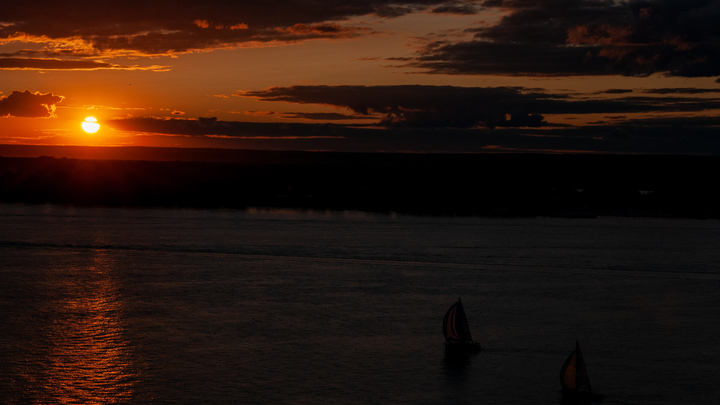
457,331
574,378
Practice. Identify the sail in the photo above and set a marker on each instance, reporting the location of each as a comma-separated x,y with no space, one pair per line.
581,376
573,374
455,324
567,373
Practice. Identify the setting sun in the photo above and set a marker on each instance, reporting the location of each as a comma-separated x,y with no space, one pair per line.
90,125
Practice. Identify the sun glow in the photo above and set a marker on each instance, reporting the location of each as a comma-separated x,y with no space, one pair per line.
90,125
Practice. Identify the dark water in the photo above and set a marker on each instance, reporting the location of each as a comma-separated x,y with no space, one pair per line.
183,306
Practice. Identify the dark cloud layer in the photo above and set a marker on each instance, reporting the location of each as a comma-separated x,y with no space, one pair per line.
324,116
164,26
465,107
211,126
456,8
615,91
712,122
468,119
682,90
587,37
27,104
642,136
65,64
30,63
412,105
535,37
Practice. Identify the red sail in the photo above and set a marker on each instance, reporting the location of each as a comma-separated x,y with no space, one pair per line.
573,375
567,373
455,324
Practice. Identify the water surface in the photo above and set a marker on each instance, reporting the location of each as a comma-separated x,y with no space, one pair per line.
189,306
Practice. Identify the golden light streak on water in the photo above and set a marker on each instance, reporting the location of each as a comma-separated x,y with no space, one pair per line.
86,358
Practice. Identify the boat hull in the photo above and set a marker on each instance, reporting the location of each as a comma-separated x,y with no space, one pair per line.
462,348
579,396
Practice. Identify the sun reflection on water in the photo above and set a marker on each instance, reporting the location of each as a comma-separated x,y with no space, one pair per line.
82,355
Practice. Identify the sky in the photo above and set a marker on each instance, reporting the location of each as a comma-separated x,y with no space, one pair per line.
425,76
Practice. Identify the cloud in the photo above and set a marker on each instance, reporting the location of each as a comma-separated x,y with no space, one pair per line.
521,120
467,107
411,105
681,90
615,91
325,116
455,8
160,27
590,37
643,136
205,126
65,64
258,113
506,59
674,121
27,104
389,11
310,31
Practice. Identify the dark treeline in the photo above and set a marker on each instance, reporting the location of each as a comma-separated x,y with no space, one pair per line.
485,184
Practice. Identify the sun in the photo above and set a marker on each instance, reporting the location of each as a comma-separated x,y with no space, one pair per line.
90,125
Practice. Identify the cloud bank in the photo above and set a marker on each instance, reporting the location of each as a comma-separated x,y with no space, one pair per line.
164,26
466,107
468,119
533,38
586,37
658,136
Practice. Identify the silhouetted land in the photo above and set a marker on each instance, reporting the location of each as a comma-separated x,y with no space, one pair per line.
484,184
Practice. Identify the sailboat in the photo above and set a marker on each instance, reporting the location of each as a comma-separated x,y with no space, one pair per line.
574,378
457,331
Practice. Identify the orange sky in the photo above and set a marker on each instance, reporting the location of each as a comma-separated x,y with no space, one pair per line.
378,75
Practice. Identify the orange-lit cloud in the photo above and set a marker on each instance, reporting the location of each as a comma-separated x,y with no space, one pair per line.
331,30
207,24
259,113
202,23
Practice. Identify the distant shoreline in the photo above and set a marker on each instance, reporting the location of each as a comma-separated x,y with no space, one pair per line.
570,186
219,155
